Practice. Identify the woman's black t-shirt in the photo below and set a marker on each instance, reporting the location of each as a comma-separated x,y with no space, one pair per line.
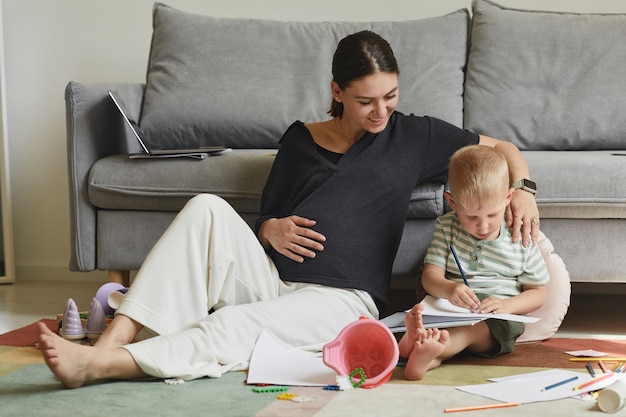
360,202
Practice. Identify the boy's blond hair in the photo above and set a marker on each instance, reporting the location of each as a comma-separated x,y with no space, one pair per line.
478,174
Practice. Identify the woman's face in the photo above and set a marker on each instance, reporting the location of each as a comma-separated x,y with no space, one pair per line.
369,101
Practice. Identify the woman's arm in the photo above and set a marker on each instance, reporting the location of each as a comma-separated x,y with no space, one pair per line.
523,208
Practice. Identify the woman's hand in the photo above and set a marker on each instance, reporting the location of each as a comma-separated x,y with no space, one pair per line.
292,237
522,216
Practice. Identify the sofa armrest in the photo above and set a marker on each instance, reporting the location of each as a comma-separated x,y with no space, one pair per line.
94,130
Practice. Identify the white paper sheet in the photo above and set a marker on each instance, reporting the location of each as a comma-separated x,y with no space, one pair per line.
442,307
589,352
275,363
527,388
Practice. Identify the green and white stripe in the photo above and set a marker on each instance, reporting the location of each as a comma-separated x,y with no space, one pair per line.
494,267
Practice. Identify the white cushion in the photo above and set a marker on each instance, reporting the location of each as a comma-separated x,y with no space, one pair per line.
557,299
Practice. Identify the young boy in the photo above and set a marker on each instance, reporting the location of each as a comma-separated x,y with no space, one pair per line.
503,276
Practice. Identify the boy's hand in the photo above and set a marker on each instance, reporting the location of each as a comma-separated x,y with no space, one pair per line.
493,305
463,296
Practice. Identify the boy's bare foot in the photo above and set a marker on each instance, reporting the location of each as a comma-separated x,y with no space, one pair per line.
413,322
67,360
428,347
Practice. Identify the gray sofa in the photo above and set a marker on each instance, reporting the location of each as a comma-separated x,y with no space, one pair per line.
552,83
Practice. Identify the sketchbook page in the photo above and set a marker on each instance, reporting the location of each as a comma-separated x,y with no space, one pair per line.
528,389
442,307
443,322
273,362
395,322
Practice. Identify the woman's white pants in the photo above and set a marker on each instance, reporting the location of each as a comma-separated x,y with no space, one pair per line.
210,259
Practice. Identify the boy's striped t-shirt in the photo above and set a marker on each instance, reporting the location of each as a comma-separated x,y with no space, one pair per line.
497,267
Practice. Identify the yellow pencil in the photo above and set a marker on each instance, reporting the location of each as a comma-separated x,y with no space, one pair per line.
597,359
479,407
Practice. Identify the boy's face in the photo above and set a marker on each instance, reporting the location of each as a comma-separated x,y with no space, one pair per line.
482,222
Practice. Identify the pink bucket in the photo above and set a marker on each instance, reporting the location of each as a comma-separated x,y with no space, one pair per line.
366,344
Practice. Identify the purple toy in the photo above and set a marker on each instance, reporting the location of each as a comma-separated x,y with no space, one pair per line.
103,294
72,328
96,321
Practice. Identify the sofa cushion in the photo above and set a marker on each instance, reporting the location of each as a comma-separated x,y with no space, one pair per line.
120,183
547,80
579,184
281,72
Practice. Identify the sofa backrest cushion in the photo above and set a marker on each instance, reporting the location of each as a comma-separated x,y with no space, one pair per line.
546,80
242,82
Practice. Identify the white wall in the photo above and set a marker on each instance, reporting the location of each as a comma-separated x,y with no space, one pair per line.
50,42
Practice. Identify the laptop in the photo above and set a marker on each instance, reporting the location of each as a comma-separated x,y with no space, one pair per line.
199,153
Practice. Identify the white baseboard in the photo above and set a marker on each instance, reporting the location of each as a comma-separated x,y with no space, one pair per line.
56,273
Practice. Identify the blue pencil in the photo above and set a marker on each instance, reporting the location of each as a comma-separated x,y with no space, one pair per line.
558,384
458,263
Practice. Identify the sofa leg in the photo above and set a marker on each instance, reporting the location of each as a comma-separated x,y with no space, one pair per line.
120,276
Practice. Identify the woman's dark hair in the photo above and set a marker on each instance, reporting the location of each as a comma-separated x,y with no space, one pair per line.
358,55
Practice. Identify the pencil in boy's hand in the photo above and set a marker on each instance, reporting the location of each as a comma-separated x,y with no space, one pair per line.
458,264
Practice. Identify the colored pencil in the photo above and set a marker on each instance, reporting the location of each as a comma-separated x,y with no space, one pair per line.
558,384
590,369
581,359
458,263
593,381
479,407
601,365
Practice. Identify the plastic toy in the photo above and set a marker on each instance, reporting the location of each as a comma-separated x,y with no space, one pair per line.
271,388
96,321
103,294
366,344
72,328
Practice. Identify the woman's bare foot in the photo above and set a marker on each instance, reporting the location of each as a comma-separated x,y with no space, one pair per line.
428,347
67,360
121,331
76,365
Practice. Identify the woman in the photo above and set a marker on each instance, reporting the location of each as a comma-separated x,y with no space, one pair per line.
332,215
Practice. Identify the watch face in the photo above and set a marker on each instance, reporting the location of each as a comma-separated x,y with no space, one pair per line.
529,184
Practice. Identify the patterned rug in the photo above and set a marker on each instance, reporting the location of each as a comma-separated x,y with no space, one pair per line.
27,384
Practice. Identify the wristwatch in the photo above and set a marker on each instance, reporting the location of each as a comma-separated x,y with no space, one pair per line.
526,185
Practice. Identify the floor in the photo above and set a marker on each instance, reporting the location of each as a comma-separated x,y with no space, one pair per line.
591,315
